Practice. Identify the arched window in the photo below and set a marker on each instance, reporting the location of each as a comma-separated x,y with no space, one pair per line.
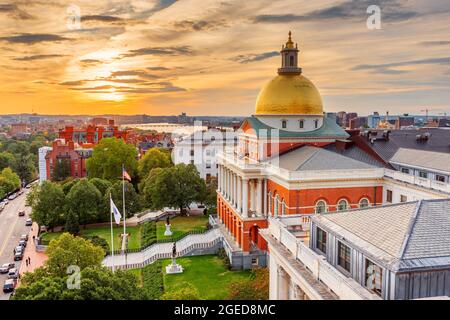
283,124
316,123
275,209
321,206
364,203
301,124
283,208
291,61
342,205
269,202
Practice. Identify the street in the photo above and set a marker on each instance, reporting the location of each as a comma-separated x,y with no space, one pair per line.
11,227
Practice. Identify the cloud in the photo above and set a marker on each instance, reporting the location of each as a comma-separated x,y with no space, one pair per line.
435,43
159,51
439,61
101,18
199,25
158,68
15,12
72,83
30,38
391,11
90,62
39,57
246,58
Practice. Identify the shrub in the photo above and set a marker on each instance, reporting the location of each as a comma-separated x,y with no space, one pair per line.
148,233
222,254
99,242
153,281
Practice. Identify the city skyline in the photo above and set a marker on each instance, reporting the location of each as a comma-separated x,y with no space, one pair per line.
166,57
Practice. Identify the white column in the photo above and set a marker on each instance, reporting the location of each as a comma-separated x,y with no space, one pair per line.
245,198
265,198
235,190
259,197
219,178
228,184
273,278
239,194
283,284
252,196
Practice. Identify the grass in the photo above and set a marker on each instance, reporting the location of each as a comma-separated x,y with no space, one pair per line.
208,274
134,241
181,225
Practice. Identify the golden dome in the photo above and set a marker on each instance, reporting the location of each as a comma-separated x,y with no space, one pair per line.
289,95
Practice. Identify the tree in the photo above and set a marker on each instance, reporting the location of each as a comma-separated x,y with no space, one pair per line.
61,170
211,195
177,186
68,184
24,167
47,202
84,200
254,288
187,292
132,199
153,158
9,181
68,250
101,184
72,223
107,159
6,160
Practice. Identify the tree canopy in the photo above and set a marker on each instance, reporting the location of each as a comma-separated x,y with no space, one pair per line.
107,159
47,203
132,199
153,158
84,201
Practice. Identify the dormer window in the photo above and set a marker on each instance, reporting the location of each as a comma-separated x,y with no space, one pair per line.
283,124
316,123
301,124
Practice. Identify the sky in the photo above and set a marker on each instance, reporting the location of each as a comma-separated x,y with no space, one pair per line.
211,57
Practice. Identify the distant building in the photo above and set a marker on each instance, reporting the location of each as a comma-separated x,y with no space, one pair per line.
60,151
18,128
358,122
92,134
42,163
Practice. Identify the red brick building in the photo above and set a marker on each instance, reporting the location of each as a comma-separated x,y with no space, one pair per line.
67,151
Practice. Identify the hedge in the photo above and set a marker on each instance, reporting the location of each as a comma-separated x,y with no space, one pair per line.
148,233
152,278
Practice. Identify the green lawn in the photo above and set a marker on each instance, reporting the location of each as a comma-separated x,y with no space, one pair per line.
206,273
134,241
181,225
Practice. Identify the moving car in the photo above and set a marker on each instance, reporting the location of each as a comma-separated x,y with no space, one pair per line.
21,213
9,285
13,273
29,222
6,267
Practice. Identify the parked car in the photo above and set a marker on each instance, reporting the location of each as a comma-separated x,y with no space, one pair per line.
13,273
24,237
29,222
5,201
28,186
18,255
9,285
12,197
18,249
22,243
6,267
21,213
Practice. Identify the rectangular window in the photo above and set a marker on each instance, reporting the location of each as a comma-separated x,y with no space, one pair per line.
321,243
403,198
374,277
283,124
405,170
389,196
301,124
423,174
192,152
440,178
208,152
208,164
344,256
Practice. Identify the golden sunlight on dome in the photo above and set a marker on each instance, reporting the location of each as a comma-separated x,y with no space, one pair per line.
289,93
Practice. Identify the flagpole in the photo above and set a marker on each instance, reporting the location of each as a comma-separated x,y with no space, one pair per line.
112,233
124,213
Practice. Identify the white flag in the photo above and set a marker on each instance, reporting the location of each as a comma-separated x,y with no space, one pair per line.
115,211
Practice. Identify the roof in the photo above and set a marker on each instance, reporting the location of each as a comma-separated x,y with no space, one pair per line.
425,159
329,129
400,237
313,158
356,153
439,141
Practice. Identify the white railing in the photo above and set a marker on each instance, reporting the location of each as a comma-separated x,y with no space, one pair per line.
344,287
423,182
164,250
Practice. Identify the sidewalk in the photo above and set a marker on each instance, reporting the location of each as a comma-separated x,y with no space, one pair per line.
37,258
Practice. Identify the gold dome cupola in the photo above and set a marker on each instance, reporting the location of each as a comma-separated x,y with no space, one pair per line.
289,58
